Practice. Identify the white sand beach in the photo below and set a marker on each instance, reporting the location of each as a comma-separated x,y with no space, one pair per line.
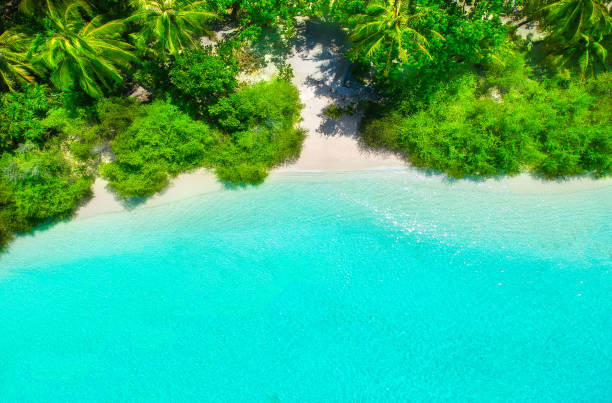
320,71
330,145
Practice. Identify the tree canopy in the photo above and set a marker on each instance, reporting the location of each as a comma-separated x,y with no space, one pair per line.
82,53
14,67
170,26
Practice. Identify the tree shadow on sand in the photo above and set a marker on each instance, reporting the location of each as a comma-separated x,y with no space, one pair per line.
326,43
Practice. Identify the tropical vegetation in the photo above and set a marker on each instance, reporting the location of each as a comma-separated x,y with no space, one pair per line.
80,53
169,26
14,67
460,89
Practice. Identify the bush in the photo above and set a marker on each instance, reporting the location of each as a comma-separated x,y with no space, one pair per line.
259,122
9,222
81,150
285,72
153,75
200,74
21,114
115,115
552,130
269,104
243,173
336,112
37,187
60,123
162,142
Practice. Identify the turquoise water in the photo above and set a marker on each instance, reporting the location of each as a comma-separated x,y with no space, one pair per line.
375,286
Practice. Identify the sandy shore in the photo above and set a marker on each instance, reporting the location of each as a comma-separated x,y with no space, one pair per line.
330,145
320,74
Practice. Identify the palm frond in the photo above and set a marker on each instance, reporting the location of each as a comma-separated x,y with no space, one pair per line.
171,26
80,53
14,66
385,25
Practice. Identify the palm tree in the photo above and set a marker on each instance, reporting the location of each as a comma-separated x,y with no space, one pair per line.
384,26
84,53
580,31
14,68
586,56
170,25
568,19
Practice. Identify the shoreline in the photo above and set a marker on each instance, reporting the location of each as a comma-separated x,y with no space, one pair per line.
331,146
202,181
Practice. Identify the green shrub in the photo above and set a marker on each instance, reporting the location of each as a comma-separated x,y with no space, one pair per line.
204,76
243,173
21,114
285,72
37,187
81,150
116,114
9,222
268,103
259,122
336,112
552,130
60,123
153,75
162,142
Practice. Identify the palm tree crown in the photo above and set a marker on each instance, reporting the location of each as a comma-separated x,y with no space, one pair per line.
14,68
84,53
567,19
580,33
384,26
169,25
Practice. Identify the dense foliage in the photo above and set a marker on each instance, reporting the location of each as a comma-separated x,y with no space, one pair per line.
458,91
21,114
502,125
163,141
169,26
580,35
258,133
52,136
203,76
80,53
37,187
460,95
259,122
14,67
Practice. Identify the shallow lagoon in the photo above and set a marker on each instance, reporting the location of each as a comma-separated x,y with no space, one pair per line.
369,286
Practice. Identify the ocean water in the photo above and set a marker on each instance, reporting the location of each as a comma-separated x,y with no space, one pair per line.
378,286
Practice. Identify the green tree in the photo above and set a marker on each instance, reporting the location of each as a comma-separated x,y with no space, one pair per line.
259,125
21,114
567,19
256,16
580,34
38,187
383,27
160,143
14,68
170,25
586,56
203,75
82,53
